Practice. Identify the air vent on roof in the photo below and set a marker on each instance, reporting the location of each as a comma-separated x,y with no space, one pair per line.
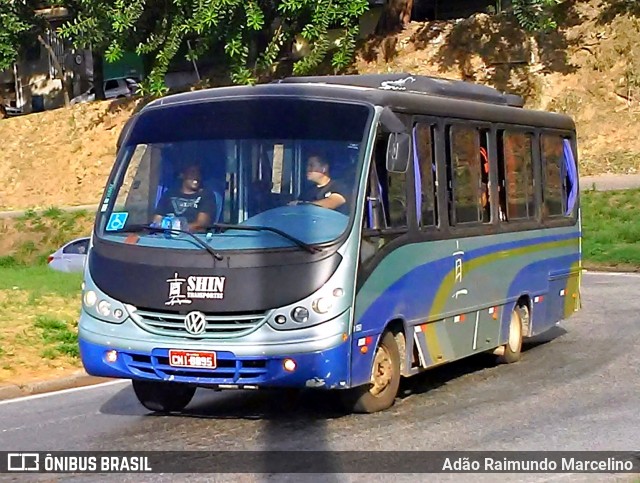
418,84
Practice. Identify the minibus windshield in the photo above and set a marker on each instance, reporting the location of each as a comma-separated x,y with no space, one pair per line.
284,165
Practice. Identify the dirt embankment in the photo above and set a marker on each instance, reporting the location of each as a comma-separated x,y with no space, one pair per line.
60,157
588,68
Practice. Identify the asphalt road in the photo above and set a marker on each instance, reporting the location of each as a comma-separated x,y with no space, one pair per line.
577,388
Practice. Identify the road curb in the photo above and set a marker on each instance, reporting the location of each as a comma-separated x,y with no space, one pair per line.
79,379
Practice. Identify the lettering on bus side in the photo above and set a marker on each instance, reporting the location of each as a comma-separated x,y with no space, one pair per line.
197,287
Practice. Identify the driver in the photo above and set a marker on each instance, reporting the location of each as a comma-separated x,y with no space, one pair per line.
327,192
190,201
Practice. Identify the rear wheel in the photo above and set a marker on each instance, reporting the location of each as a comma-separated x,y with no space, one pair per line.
163,396
381,392
513,347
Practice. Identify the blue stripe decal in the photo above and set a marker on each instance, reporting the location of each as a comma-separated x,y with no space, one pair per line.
412,295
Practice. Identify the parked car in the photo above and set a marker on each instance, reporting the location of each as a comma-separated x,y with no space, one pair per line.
70,257
113,88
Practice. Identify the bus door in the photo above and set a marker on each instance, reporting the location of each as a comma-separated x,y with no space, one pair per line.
472,322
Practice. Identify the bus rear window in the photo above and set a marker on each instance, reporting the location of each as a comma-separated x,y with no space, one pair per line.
560,172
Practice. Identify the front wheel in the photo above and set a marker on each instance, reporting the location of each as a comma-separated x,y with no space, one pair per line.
381,392
163,396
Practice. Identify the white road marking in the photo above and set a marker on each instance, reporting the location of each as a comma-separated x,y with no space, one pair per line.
613,274
63,391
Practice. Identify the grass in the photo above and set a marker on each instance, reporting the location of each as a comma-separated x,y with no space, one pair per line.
57,336
39,309
40,280
611,228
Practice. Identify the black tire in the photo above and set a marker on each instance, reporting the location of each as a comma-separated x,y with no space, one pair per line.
513,347
163,396
381,392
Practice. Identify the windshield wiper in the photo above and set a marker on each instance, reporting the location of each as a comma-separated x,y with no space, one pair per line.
158,229
284,234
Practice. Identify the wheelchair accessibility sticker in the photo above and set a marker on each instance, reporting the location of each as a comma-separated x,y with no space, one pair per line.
117,221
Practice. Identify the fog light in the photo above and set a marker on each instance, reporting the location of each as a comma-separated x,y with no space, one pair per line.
90,298
111,356
289,365
104,308
300,314
280,319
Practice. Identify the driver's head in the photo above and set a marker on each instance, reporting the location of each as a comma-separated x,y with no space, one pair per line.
191,178
317,168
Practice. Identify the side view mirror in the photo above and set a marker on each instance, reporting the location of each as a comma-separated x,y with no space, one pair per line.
398,152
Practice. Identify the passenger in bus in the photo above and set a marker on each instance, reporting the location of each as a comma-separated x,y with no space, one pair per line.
327,192
190,201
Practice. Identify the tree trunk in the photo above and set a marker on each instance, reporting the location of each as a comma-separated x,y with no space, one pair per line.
396,15
58,67
98,75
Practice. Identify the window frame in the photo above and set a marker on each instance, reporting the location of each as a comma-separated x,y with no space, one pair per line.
434,128
536,172
560,219
449,184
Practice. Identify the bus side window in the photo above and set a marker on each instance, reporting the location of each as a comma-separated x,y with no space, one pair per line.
424,150
515,171
468,181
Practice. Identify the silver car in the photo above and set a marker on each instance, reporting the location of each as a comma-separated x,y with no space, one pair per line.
113,89
71,257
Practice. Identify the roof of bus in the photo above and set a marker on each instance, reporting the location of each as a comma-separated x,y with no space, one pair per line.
424,96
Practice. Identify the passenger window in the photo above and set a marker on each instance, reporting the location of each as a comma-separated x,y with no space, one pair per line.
468,173
515,166
424,151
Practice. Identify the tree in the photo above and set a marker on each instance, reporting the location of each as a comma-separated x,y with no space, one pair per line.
253,34
21,25
17,24
532,15
396,15
535,15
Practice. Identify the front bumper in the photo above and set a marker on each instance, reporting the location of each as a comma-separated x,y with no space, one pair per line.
322,355
327,369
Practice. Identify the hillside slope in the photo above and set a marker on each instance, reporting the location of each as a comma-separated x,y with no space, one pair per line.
588,68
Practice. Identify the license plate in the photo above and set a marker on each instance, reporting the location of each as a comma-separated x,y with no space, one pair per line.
178,358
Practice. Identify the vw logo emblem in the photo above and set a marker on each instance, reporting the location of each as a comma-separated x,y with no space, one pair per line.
195,323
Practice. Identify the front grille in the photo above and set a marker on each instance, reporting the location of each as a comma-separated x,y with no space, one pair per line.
229,369
218,326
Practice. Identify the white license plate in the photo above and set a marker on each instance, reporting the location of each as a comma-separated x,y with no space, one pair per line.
180,358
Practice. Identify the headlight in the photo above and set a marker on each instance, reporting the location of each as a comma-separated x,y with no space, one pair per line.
322,305
300,314
90,298
104,308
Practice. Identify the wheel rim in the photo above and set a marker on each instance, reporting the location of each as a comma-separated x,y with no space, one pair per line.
382,371
515,329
